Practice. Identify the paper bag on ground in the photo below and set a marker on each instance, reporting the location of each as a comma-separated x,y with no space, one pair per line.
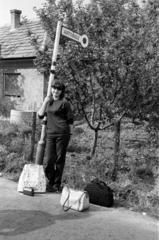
32,176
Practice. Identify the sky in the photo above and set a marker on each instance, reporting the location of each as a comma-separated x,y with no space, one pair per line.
26,6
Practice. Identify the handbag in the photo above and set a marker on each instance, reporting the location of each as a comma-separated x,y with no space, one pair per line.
32,177
74,199
99,193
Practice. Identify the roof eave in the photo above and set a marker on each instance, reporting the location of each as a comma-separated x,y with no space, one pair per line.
16,58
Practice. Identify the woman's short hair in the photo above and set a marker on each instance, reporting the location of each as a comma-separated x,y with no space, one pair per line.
60,85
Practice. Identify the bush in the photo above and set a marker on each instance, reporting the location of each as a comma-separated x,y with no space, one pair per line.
15,145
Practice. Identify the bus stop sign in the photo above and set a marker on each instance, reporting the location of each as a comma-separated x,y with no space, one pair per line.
76,37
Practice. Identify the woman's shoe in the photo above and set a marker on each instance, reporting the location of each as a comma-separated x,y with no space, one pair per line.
57,189
49,187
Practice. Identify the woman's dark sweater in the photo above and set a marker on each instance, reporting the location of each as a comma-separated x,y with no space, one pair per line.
59,117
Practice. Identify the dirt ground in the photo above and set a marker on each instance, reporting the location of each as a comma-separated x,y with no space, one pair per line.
41,218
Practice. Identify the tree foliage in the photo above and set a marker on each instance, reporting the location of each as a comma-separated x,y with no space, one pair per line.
116,76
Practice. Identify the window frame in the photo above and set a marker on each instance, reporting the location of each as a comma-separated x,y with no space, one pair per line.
4,81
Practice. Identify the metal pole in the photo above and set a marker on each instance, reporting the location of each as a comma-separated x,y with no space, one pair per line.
33,137
42,142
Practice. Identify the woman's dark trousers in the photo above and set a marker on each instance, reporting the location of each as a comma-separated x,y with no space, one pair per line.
56,147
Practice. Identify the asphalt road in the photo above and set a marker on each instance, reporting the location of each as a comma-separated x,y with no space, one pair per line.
41,218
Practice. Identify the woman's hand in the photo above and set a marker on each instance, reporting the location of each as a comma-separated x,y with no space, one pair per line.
42,110
47,99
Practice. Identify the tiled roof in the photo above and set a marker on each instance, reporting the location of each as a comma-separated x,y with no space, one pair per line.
16,43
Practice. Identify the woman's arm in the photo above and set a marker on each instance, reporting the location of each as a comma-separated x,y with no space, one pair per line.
69,116
42,110
71,129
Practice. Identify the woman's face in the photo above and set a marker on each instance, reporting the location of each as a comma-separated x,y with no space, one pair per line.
56,92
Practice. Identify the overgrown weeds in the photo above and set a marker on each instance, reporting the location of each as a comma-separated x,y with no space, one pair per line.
137,184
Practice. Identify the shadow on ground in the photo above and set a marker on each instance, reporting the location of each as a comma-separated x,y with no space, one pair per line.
15,222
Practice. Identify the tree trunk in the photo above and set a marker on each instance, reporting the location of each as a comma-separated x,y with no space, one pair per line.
116,149
94,143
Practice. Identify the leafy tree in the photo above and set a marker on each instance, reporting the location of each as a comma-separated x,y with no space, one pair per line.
116,76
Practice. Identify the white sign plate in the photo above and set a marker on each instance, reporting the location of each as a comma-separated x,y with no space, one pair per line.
76,37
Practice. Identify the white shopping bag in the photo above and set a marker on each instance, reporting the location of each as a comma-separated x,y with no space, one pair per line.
32,176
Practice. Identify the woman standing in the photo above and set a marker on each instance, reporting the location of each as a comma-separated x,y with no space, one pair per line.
58,130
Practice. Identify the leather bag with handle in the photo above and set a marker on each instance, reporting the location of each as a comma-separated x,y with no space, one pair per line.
99,193
74,199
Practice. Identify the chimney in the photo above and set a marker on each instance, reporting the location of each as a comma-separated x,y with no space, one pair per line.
15,18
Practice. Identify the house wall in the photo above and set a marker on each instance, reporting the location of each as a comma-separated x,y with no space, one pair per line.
30,85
